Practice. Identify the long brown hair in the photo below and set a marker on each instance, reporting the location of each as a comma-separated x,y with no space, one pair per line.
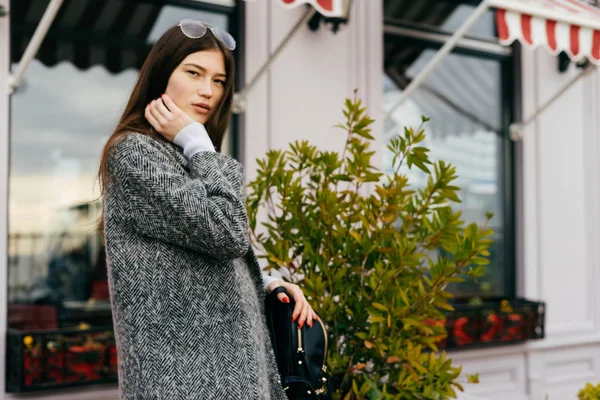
166,55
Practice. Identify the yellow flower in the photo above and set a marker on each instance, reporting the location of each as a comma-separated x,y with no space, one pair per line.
28,341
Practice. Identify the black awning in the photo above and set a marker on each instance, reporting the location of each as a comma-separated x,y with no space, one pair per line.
420,13
430,16
112,33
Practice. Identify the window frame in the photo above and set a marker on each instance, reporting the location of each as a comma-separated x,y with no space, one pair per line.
428,37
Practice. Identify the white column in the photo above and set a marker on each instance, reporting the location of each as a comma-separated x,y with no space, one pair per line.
254,138
367,64
4,152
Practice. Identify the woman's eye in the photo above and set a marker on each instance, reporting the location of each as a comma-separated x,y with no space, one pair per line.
193,73
220,82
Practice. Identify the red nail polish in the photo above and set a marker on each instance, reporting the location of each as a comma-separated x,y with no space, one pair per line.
286,300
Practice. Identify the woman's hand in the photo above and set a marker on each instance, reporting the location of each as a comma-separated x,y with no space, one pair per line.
302,310
168,119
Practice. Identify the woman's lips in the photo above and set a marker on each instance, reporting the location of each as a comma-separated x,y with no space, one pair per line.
201,108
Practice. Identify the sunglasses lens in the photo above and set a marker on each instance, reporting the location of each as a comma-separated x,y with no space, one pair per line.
192,29
225,37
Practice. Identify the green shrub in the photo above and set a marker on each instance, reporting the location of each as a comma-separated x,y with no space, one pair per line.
365,248
589,392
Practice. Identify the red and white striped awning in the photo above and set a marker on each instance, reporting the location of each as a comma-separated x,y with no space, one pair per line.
572,26
328,8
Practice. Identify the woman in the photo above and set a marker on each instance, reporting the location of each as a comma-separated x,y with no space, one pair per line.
186,288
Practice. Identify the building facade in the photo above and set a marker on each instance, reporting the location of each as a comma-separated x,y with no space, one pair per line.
543,188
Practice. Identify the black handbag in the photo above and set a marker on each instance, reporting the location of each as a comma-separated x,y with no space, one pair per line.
300,352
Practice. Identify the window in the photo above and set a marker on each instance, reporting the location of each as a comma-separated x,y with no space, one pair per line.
61,116
468,98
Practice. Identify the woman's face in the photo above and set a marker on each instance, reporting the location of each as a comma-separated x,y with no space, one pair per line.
197,85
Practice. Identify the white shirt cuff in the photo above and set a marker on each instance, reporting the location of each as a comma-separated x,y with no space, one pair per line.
193,139
267,279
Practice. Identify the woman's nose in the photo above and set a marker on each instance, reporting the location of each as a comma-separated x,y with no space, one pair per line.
205,88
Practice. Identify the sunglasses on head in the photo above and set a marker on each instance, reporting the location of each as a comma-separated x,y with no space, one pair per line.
196,29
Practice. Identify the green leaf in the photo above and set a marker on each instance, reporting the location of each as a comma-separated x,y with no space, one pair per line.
355,235
362,335
355,388
379,306
376,319
473,378
443,305
388,218
404,297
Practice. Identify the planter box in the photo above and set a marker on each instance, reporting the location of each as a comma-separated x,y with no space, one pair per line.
44,360
493,322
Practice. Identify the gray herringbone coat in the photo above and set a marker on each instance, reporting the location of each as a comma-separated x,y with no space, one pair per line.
186,289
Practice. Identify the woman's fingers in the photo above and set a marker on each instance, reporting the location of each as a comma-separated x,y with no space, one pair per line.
157,115
315,317
297,310
167,118
309,317
170,104
303,314
309,312
150,117
163,111
283,298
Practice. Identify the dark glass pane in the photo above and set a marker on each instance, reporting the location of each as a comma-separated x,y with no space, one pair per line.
60,120
463,98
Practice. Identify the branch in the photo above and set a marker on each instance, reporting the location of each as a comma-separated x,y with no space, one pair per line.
407,150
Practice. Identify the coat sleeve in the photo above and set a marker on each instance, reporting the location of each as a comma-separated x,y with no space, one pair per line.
202,211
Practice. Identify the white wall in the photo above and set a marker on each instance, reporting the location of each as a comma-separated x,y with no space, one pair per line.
302,95
561,194
559,198
560,165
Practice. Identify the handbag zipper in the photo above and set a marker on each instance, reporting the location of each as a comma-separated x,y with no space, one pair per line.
325,335
324,367
300,349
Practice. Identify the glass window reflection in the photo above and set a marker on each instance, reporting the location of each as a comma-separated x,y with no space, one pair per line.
463,98
61,116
